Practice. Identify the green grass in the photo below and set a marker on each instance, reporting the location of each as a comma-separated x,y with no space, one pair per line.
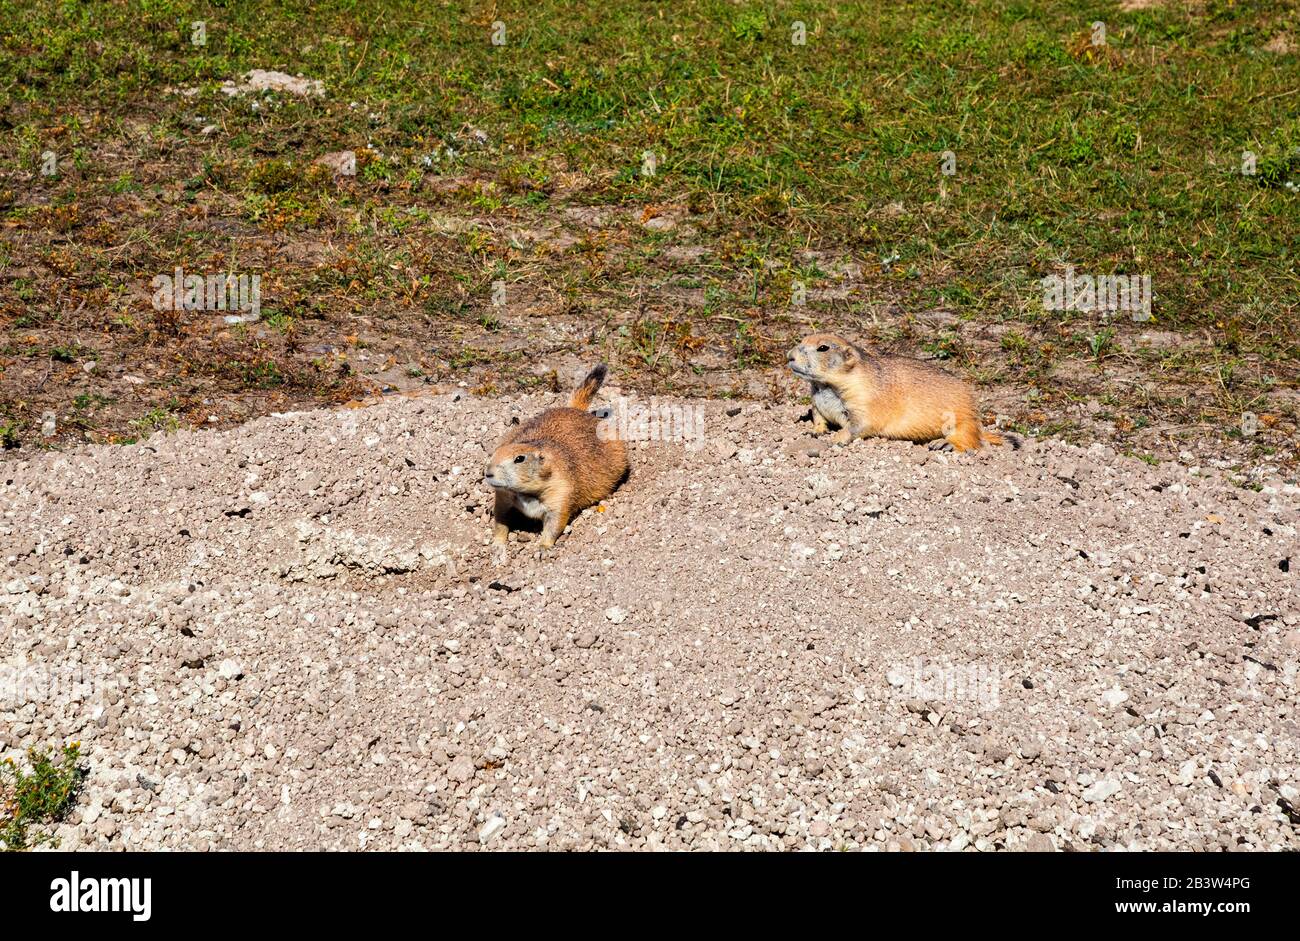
10,435
1116,166
156,419
1125,158
32,801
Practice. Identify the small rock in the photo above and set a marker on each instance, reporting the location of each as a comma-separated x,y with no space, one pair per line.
1114,696
1040,843
342,162
808,446
261,80
1103,789
461,769
495,824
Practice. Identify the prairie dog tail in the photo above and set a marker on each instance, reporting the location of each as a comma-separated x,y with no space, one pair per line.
585,392
993,437
969,435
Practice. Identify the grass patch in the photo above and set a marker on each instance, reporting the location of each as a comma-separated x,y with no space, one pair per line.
948,154
156,419
33,801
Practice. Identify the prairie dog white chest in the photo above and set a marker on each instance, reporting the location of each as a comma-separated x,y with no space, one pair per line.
532,507
829,405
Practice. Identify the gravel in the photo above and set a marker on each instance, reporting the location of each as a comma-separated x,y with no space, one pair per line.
295,634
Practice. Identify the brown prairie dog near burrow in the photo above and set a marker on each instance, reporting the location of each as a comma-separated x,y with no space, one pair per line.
554,465
866,395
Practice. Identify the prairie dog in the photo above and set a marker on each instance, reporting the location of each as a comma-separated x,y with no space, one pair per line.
554,465
885,396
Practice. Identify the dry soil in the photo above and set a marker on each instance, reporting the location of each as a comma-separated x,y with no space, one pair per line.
294,634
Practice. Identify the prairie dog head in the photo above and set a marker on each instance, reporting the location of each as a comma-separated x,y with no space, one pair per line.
523,468
823,357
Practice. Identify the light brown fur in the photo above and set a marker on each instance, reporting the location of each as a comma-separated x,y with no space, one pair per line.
867,395
554,465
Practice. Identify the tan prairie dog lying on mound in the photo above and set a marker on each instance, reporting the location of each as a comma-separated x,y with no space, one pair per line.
867,395
554,465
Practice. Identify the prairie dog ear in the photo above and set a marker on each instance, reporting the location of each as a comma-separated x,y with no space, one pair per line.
850,356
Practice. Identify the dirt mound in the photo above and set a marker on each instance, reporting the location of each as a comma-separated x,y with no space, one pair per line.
295,634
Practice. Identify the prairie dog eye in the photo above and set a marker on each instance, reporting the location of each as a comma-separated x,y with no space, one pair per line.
823,348
519,459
